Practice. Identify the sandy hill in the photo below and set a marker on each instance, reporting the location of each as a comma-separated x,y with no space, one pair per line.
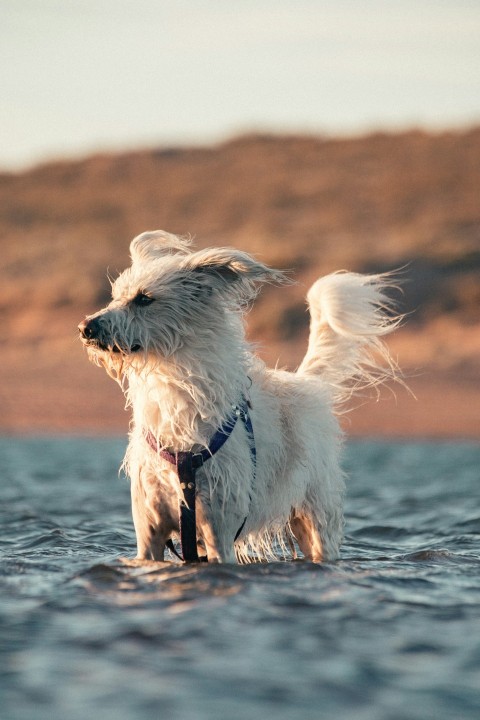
311,204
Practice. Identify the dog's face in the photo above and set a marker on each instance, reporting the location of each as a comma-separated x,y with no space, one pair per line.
170,298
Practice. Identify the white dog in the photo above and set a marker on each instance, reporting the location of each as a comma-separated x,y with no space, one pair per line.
222,449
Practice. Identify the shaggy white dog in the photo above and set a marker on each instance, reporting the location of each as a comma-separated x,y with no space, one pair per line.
173,337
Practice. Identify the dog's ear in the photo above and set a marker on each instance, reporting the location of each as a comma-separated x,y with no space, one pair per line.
231,270
155,244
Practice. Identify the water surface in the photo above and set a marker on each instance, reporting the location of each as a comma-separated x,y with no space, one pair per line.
389,632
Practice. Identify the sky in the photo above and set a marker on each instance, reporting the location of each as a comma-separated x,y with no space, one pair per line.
83,76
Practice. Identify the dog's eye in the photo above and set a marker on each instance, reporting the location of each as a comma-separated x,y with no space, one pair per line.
142,299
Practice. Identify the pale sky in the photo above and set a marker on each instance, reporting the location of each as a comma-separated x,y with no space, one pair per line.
79,76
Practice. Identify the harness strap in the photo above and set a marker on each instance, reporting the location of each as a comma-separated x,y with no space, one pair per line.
188,521
187,463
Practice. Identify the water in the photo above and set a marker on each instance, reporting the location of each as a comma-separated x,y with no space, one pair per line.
391,631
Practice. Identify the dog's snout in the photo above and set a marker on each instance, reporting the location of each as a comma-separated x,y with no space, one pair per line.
89,328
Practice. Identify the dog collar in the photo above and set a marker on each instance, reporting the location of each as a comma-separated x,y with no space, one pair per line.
187,463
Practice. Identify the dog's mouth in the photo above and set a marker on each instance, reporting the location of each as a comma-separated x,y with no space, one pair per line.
95,344
116,349
93,337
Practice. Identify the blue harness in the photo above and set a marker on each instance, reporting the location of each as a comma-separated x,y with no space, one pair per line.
187,463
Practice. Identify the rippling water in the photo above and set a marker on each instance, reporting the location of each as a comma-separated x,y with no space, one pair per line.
391,631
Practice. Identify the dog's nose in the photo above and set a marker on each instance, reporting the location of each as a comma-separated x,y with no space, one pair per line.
89,328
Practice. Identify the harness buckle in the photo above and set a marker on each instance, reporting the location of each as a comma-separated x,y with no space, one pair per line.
197,460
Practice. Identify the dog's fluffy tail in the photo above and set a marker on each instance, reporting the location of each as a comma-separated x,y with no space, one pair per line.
350,314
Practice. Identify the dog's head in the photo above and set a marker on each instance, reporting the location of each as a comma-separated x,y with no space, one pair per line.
170,298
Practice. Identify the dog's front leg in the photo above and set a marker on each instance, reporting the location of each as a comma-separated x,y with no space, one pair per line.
219,547
153,520
218,524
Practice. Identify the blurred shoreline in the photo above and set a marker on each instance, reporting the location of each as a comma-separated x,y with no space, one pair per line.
313,205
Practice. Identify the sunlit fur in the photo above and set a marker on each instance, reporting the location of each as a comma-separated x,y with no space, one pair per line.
173,337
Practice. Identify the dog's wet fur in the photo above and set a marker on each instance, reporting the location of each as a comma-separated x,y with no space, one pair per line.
173,337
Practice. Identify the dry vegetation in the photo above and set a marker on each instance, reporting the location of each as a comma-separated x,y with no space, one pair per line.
310,204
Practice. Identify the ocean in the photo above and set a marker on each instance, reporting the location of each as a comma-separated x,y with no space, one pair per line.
389,632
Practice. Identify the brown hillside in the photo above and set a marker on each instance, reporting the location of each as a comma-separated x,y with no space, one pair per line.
310,204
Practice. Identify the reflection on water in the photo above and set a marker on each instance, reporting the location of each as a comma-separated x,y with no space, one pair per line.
388,632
